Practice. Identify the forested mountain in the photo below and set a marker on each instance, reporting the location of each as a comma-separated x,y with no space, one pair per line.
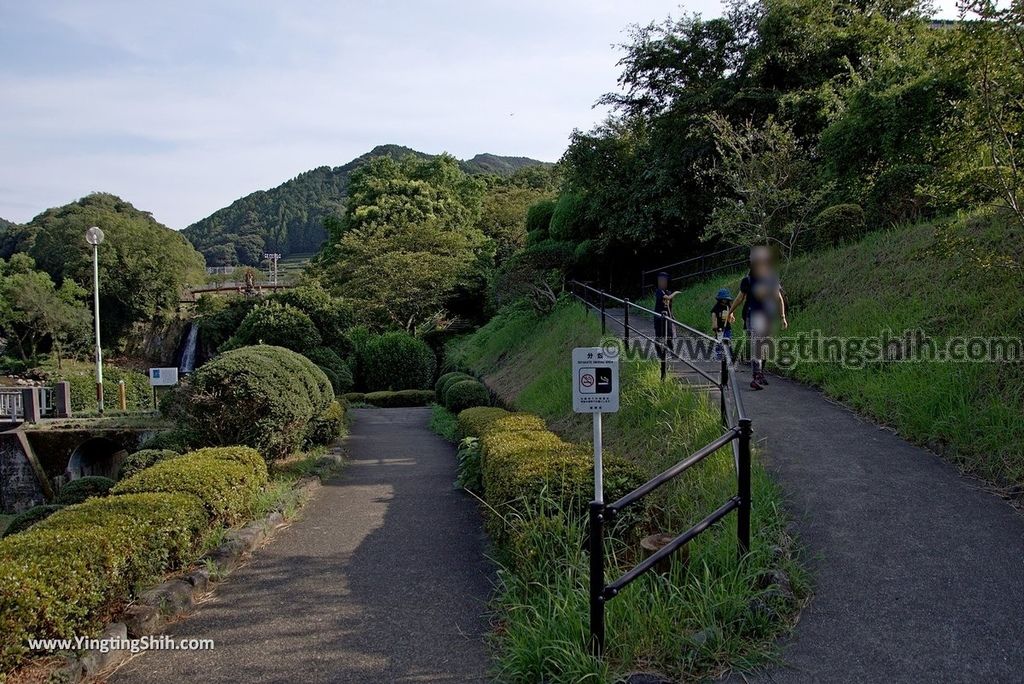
5,224
289,219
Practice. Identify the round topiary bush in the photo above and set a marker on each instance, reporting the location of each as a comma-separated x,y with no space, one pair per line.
143,459
466,394
397,361
338,371
277,324
328,426
83,488
445,380
172,440
259,396
30,517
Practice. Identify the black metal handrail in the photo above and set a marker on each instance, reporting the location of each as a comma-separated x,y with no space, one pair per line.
738,434
697,267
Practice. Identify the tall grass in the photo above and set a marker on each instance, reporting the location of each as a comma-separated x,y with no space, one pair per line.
709,614
957,277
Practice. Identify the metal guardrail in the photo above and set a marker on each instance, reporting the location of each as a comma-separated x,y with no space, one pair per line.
738,430
11,408
698,267
12,403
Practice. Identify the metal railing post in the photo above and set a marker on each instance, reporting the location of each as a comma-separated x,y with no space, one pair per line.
597,577
723,383
662,348
625,323
743,493
603,324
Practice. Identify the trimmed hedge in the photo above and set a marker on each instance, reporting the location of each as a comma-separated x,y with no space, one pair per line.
446,380
29,517
143,459
262,397
534,472
396,361
62,578
77,491
272,323
473,422
400,399
328,426
226,480
168,440
464,394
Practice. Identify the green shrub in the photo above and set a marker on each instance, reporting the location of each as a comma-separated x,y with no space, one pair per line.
143,459
77,491
29,517
331,316
328,426
468,467
279,325
337,370
138,393
354,398
64,577
168,440
538,220
259,396
240,454
227,486
837,224
397,361
529,471
402,398
466,394
473,422
442,382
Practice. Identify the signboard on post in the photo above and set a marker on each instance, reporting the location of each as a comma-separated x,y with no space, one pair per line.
595,390
595,380
163,377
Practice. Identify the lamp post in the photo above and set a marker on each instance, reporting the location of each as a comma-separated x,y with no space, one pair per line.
94,236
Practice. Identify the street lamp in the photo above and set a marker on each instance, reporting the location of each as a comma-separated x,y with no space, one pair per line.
94,236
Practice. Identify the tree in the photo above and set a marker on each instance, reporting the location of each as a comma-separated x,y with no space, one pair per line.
994,53
143,264
408,239
772,183
34,311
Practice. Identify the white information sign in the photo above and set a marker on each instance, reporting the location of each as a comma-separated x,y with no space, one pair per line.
595,380
162,377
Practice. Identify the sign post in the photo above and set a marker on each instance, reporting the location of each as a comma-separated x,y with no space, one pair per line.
595,390
162,377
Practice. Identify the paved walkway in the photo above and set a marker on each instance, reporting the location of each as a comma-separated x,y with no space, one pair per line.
918,571
382,579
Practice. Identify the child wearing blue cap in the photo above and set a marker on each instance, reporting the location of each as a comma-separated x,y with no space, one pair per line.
721,320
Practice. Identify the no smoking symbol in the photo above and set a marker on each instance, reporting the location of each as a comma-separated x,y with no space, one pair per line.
587,380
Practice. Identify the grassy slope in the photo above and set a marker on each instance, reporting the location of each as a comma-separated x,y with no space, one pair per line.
526,360
961,276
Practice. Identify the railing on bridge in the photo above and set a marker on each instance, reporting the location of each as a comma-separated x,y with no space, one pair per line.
43,402
737,432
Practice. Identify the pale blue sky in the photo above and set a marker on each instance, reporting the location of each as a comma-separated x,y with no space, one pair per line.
182,107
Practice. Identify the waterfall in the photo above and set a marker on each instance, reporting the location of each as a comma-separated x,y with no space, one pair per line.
188,353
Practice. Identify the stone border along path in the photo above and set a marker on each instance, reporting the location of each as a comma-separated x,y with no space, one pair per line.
918,571
382,579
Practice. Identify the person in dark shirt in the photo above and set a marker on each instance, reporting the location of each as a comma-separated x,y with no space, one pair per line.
721,320
761,297
663,331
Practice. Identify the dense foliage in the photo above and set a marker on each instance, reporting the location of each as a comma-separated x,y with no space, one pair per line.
143,264
290,218
261,396
397,361
83,488
748,127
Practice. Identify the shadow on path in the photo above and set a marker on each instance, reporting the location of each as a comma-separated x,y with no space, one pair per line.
383,579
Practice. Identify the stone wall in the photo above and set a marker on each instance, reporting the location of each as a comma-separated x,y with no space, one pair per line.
19,486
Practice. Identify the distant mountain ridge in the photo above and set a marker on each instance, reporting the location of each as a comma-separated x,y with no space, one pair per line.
289,219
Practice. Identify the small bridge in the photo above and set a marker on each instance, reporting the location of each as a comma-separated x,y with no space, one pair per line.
230,288
37,459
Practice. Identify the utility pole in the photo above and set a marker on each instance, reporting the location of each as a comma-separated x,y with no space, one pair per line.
273,257
94,236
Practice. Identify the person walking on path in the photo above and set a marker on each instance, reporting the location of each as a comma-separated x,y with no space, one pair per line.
663,331
762,301
721,321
